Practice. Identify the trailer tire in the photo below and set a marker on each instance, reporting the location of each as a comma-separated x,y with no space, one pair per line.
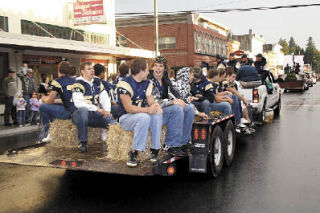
229,142
215,156
278,109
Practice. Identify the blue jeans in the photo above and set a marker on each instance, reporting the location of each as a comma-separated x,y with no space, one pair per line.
21,117
139,123
33,118
27,98
179,124
203,106
83,118
48,113
224,107
236,108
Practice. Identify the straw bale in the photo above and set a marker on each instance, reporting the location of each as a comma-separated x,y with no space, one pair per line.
215,114
119,144
63,133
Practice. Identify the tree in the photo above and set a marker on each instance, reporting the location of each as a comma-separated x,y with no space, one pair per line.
292,45
285,46
312,55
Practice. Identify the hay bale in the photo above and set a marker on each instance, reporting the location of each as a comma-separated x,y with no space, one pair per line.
215,114
119,144
64,133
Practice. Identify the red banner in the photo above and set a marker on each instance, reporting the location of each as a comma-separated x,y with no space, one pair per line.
88,12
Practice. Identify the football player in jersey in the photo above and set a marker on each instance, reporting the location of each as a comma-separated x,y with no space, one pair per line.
99,71
88,95
139,111
52,108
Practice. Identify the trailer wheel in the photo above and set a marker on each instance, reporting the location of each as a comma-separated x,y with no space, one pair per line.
230,142
215,157
278,109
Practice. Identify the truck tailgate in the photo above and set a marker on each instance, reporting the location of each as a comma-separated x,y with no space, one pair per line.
68,158
247,93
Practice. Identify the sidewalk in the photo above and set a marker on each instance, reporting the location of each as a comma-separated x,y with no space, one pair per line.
14,129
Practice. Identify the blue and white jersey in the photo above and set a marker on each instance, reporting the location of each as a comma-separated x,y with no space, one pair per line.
138,92
63,86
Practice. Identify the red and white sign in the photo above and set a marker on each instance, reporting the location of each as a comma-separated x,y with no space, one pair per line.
88,12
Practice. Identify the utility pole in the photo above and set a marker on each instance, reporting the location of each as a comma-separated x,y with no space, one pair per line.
156,26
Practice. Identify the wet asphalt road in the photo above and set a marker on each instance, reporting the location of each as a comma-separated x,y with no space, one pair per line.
277,170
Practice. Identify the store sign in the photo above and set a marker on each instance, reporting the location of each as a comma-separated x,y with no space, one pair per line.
88,12
208,44
35,59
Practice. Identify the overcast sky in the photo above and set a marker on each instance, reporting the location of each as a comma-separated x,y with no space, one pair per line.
273,24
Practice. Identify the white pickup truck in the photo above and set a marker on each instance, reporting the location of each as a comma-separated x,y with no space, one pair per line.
261,100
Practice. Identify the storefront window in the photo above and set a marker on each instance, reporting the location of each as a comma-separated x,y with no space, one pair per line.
30,28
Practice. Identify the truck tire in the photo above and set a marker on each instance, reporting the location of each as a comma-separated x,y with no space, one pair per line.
278,109
262,114
215,156
229,142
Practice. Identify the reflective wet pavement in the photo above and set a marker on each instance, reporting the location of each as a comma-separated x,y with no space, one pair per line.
277,170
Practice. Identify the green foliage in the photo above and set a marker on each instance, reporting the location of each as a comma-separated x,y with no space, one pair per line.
285,46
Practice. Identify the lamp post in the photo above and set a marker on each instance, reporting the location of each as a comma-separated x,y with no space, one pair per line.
156,26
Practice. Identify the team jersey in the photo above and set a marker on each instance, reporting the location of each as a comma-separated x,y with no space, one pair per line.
63,86
110,88
138,92
90,93
203,90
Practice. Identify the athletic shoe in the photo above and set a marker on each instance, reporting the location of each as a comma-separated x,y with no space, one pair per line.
154,155
82,147
46,139
177,151
132,158
104,133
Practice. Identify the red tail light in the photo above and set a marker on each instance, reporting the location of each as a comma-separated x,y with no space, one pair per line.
196,134
255,98
203,134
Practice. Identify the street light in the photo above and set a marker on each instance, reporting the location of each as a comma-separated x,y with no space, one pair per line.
156,26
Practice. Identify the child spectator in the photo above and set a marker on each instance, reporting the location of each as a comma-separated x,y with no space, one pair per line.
21,108
34,108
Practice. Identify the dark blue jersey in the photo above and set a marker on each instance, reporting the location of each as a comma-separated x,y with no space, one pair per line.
138,92
203,90
63,86
90,93
110,88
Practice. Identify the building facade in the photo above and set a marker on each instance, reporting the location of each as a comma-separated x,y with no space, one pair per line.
275,57
251,44
45,32
184,39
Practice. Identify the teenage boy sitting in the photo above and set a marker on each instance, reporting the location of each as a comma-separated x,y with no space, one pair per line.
139,112
99,71
232,86
52,108
178,129
88,95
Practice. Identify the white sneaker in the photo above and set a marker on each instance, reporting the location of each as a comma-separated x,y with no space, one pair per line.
104,133
244,121
20,126
46,139
241,125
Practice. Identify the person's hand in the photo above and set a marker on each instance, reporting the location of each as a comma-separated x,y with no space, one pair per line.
230,101
179,102
192,98
229,93
104,113
155,109
203,115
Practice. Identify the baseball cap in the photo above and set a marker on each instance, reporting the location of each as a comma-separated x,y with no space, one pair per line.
259,55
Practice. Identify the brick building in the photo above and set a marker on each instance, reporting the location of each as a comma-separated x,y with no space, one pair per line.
184,39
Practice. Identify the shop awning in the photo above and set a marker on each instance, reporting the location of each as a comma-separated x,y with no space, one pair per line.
20,41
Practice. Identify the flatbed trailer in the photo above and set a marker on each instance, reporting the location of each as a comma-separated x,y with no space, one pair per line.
293,85
213,143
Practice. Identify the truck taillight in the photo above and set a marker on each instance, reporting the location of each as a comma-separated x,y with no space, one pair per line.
203,134
255,96
196,134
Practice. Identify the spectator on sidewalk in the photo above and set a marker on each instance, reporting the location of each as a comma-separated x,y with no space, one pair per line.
21,110
9,91
34,109
28,87
44,86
